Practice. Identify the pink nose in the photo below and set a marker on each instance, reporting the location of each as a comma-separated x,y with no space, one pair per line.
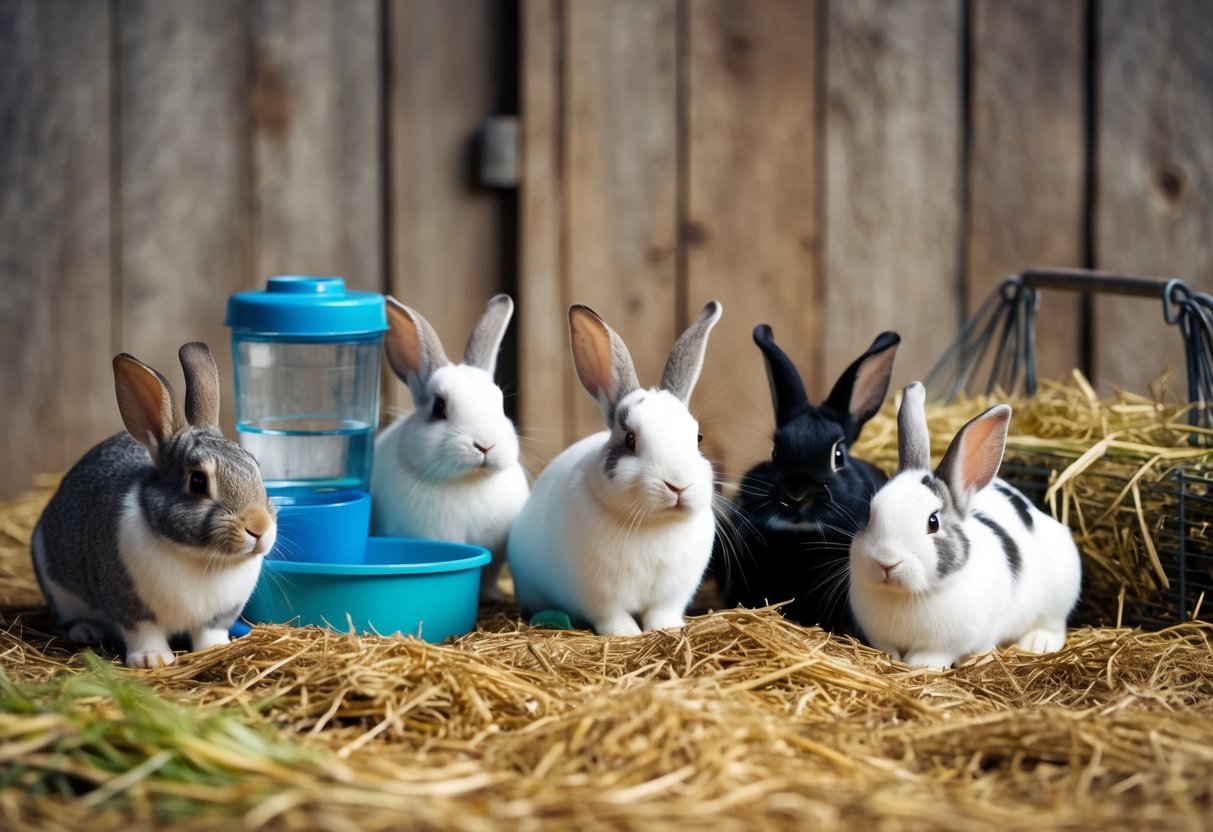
677,489
483,449
888,570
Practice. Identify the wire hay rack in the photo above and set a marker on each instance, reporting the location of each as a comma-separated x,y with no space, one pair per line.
1141,508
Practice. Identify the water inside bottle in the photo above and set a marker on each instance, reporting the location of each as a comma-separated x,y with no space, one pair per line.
309,454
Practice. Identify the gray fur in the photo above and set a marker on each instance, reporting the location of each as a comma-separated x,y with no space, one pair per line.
1010,549
951,542
971,461
685,363
486,337
953,546
201,384
1018,502
413,349
604,365
79,529
913,437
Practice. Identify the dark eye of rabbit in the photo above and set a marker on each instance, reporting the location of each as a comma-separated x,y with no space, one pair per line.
198,483
439,409
839,457
629,440
699,440
933,524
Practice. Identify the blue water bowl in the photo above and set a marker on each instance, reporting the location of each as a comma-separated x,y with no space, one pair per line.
423,588
323,526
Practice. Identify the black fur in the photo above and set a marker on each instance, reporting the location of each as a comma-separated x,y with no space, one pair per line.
1009,548
1018,501
795,515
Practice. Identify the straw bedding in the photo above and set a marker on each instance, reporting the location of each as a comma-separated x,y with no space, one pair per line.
740,721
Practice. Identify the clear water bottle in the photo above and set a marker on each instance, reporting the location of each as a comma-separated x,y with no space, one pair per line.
306,353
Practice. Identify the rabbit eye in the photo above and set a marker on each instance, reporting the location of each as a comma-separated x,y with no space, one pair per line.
198,484
839,457
629,440
699,440
933,524
439,409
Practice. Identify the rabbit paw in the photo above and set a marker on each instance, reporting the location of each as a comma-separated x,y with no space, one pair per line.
86,632
147,647
925,658
1042,641
209,637
150,660
616,624
664,619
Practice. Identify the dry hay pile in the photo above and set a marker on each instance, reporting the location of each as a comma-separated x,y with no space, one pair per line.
740,721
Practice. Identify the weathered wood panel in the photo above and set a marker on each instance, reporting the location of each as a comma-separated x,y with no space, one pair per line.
1027,159
1154,204
892,182
621,177
546,392
56,385
445,238
316,109
752,227
184,168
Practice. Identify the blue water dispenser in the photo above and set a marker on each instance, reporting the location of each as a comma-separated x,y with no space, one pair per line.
306,354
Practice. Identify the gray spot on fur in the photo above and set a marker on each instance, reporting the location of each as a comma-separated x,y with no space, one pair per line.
1009,548
1018,502
953,547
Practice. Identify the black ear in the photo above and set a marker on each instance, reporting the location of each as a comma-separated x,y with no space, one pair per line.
787,390
860,390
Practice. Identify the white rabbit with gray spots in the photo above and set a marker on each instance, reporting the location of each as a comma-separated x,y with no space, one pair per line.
619,527
160,530
957,562
450,470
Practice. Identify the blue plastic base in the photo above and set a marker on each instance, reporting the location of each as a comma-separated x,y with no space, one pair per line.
422,588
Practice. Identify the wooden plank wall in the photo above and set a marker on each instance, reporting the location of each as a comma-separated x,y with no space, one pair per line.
841,167
830,167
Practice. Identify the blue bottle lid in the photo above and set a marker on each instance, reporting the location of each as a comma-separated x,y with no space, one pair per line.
306,307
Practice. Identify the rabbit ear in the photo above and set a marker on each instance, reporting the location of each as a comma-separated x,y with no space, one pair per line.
860,390
413,349
485,340
972,459
603,363
685,363
201,384
149,409
787,389
913,438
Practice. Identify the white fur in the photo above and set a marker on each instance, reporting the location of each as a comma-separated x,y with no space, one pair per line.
923,619
622,553
430,481
185,587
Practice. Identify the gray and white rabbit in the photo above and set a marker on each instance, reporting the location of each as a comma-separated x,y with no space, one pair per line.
957,562
619,528
450,469
159,530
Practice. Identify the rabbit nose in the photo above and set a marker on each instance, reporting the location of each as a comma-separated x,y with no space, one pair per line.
253,534
677,489
484,449
888,570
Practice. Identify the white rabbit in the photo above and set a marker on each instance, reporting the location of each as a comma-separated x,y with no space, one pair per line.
449,470
160,530
948,567
619,528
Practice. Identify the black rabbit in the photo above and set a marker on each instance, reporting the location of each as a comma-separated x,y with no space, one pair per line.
795,515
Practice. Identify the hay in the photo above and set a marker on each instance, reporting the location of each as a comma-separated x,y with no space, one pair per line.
740,721
1107,468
